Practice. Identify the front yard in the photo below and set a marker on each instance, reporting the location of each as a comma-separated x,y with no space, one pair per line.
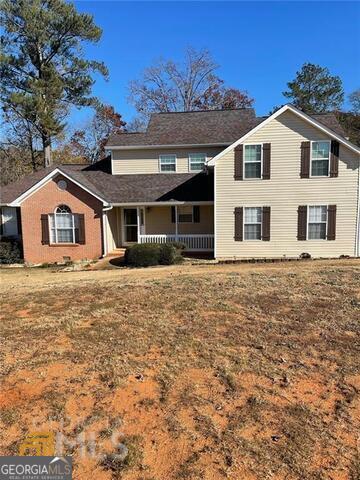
210,372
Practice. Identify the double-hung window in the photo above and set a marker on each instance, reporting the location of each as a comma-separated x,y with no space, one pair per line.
196,161
317,222
252,161
167,163
320,154
63,225
252,223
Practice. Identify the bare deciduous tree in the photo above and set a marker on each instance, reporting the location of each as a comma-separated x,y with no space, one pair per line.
89,142
354,99
167,86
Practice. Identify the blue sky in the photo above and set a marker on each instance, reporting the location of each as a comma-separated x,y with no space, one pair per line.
258,45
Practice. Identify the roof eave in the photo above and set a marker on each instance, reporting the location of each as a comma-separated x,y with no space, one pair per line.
188,145
162,203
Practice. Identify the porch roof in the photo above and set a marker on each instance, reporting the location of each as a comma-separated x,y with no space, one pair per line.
117,189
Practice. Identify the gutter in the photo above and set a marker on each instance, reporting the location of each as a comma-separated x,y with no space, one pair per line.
149,147
161,204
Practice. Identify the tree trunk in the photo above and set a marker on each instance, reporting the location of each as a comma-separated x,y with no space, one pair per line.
47,150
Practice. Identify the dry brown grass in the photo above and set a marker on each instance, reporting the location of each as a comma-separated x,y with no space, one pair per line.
238,372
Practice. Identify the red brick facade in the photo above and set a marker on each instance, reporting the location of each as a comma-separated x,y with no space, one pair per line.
44,201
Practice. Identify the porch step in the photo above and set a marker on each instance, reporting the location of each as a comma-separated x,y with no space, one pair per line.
118,252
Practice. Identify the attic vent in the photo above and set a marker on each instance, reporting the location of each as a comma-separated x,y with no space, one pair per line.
62,185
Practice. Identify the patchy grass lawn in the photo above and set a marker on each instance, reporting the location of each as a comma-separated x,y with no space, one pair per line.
199,372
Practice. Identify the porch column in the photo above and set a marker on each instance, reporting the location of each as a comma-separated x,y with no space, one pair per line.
105,239
176,222
138,224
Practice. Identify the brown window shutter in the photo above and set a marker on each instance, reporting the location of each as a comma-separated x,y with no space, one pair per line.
238,213
266,161
238,162
196,213
331,225
1,222
173,215
81,229
266,224
334,158
45,239
302,222
305,160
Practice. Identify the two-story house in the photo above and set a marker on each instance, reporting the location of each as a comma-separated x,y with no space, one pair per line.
221,181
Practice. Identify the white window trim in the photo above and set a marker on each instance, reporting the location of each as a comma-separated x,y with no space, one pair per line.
189,160
311,159
261,162
257,223
73,228
276,114
308,218
167,155
192,214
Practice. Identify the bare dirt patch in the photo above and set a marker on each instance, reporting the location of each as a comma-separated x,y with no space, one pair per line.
199,372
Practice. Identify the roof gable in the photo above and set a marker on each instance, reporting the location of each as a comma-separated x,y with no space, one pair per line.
314,121
15,193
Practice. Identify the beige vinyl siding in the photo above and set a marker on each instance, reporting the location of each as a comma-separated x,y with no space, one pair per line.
284,192
147,160
158,220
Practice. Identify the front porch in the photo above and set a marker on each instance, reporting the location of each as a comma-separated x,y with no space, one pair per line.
188,223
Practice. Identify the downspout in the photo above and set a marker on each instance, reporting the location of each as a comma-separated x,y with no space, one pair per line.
104,225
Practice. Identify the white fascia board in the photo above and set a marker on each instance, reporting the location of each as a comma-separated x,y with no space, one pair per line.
17,202
149,147
159,204
300,114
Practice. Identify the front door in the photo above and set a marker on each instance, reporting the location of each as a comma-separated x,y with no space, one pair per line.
130,225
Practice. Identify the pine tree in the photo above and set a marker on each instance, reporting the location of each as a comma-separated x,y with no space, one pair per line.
315,90
43,68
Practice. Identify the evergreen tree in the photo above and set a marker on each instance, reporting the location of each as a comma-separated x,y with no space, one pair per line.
315,90
43,68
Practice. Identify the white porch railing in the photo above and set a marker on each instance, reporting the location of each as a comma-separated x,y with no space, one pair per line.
194,243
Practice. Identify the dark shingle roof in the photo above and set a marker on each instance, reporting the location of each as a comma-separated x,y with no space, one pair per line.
156,187
191,128
209,127
330,121
204,127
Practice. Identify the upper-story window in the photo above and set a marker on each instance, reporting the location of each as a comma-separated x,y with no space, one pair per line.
167,163
320,154
62,225
196,161
252,161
